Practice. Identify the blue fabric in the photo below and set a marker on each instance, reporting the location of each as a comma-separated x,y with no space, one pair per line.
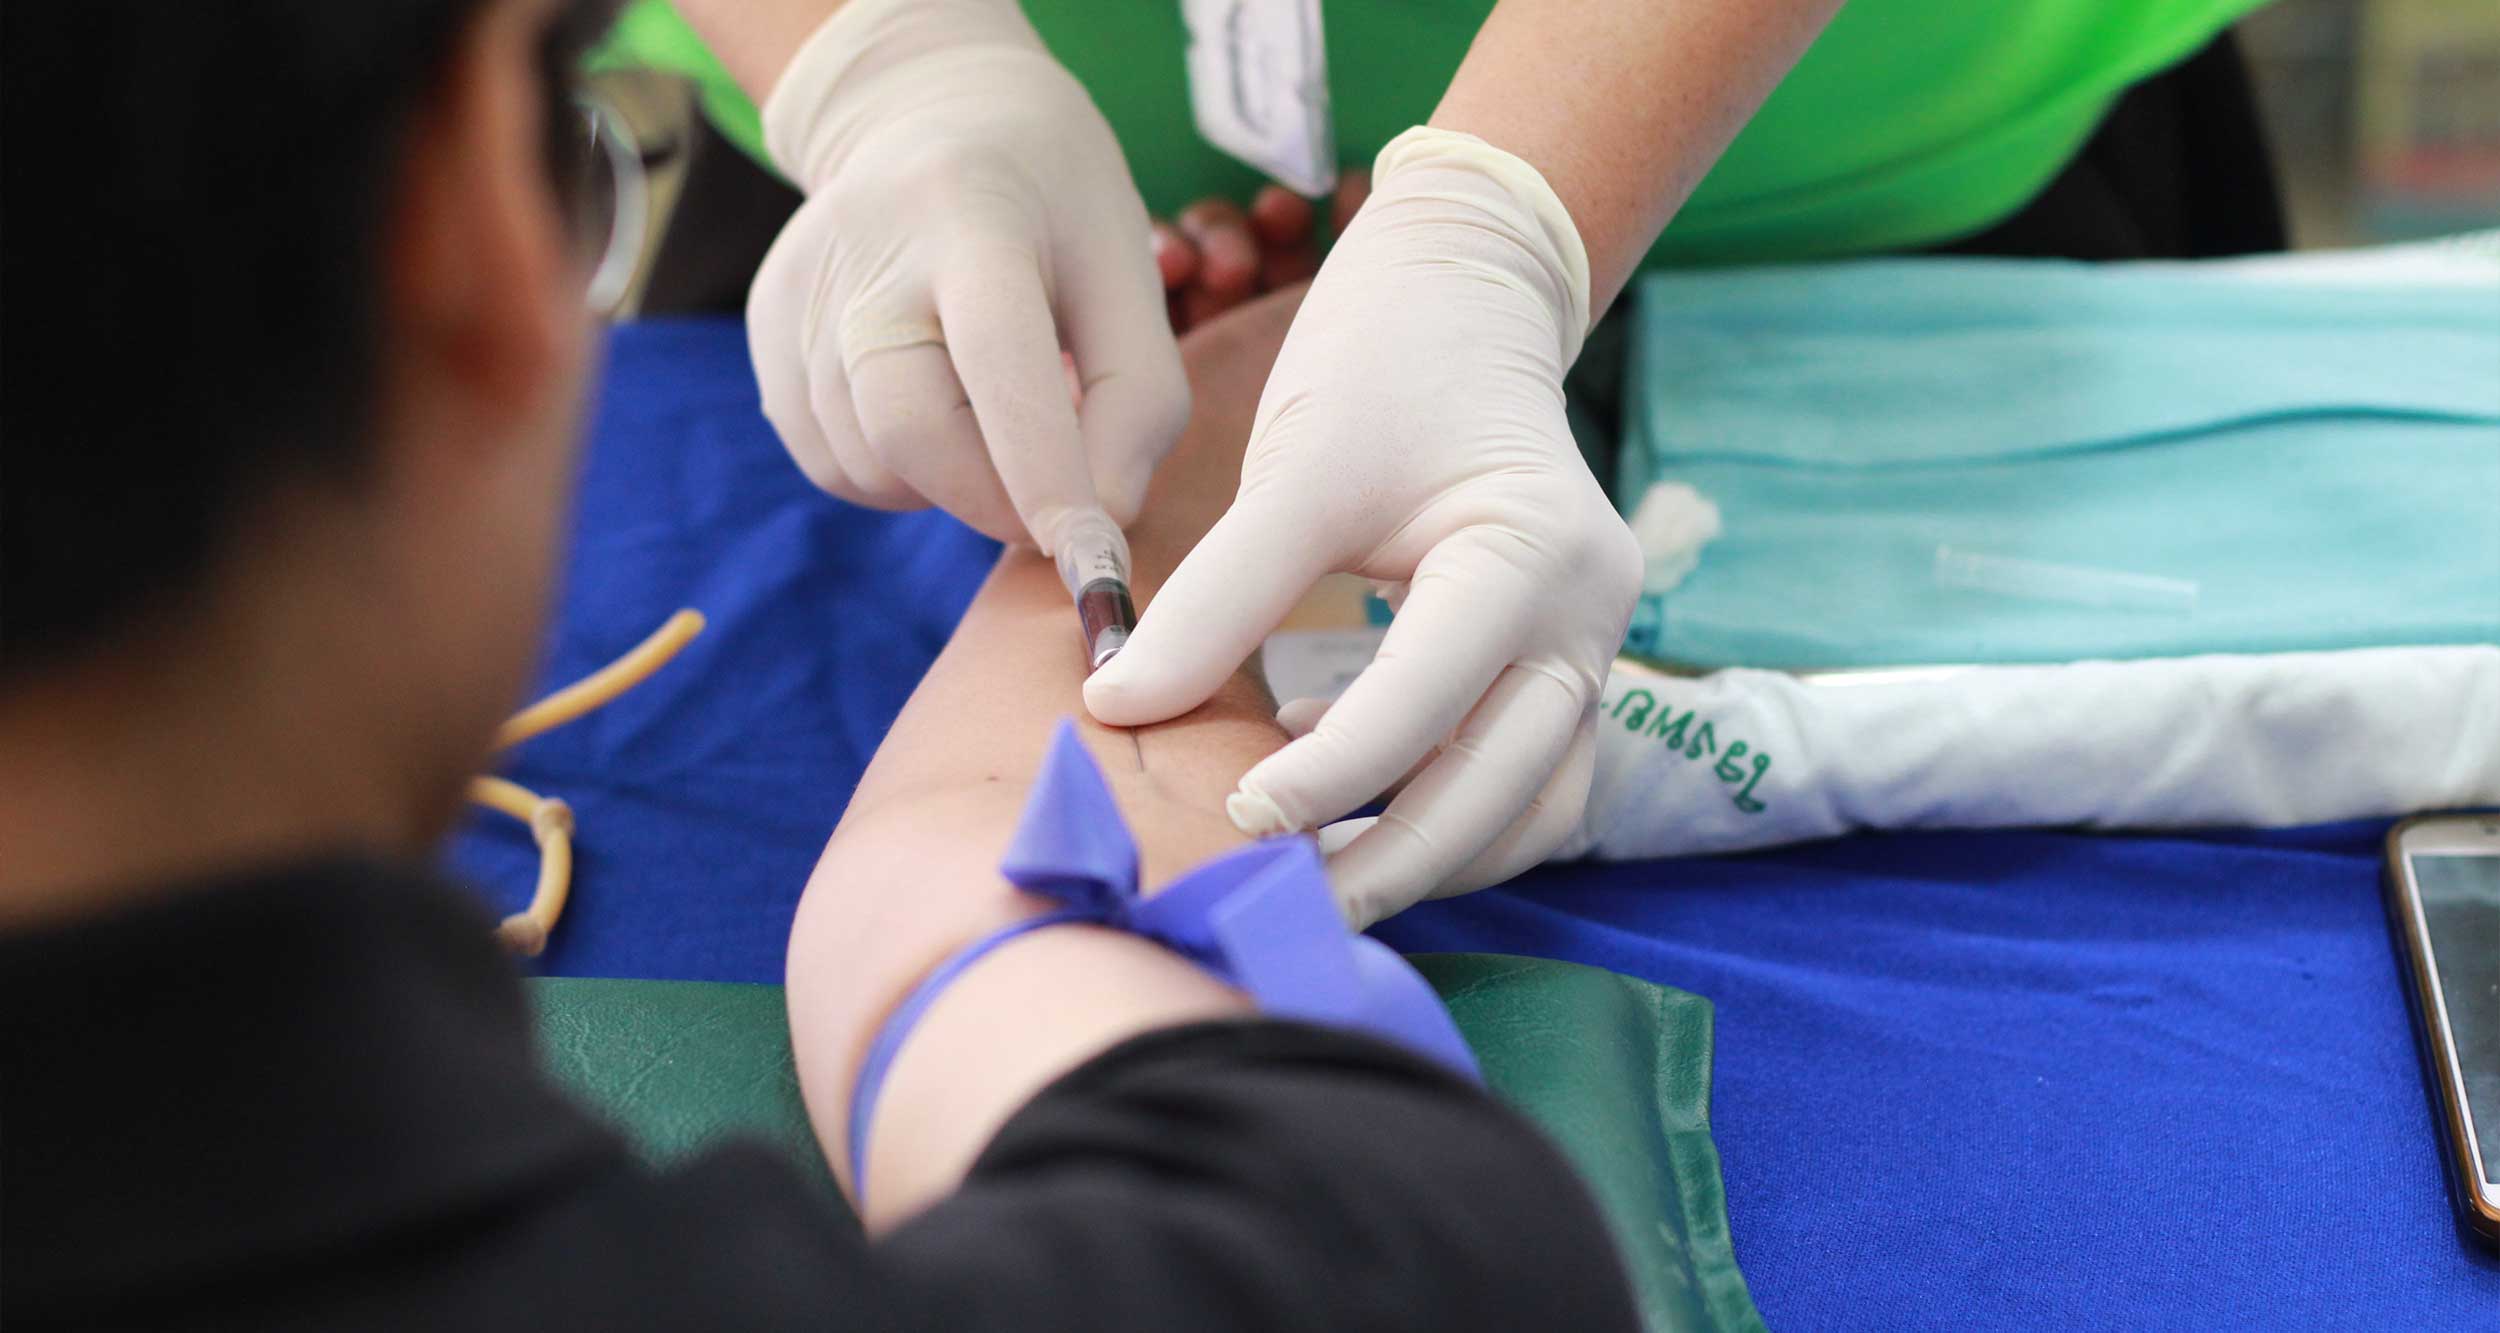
704,795
2039,1080
1971,1081
2320,461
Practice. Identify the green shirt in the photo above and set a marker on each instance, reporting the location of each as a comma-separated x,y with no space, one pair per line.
1910,122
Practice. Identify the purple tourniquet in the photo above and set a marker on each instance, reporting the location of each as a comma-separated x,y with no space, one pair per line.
1260,918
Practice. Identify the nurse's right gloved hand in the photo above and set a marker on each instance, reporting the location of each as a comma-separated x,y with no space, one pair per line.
968,215
1412,432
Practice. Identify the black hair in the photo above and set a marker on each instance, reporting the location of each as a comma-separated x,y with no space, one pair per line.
193,200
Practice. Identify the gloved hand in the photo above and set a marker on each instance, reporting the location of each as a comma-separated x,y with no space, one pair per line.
1412,432
967,213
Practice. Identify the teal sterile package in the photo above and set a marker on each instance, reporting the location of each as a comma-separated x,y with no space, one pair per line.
1969,460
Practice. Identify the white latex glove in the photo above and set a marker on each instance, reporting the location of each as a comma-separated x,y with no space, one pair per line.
1412,432
968,213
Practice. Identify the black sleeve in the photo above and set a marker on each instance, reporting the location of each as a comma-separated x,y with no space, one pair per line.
1221,1178
1255,1176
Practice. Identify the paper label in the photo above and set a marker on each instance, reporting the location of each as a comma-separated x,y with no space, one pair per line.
1258,86
1317,663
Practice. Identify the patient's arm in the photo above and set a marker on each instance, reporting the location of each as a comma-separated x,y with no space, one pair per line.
911,873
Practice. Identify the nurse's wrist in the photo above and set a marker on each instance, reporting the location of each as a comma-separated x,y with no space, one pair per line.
1589,190
859,56
1443,171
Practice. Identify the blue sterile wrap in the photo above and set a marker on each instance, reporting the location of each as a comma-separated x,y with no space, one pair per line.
2314,462
1259,918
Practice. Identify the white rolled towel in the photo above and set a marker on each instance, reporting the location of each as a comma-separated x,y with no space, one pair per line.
1740,759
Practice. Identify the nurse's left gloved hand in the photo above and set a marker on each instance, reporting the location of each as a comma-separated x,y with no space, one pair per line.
1412,432
968,215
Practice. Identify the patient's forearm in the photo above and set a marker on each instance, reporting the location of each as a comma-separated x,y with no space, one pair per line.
911,874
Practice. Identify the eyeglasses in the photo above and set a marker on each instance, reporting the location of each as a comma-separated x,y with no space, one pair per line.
608,198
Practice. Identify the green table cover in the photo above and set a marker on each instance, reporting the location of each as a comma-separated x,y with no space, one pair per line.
1615,1069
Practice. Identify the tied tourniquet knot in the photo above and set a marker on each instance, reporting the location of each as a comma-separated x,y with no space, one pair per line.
1260,918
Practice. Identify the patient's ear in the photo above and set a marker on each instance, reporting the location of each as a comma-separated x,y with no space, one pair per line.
482,301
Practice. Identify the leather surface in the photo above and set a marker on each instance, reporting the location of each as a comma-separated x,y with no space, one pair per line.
678,1064
1616,1070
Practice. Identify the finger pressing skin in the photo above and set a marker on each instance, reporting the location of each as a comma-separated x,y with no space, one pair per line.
1229,257
1211,614
1280,219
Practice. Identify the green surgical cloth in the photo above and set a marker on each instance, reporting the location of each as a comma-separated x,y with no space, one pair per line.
1910,122
1616,1071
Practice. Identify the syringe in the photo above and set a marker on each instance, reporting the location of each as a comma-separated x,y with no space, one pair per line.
1093,563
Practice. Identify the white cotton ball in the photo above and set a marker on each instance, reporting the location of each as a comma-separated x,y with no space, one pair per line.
1672,523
